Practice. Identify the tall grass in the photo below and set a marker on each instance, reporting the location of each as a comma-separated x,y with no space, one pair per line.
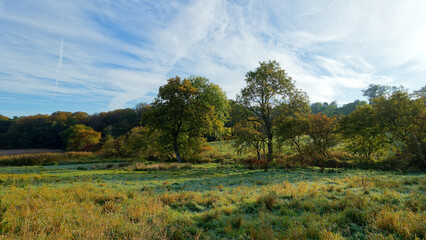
212,202
35,159
159,166
82,212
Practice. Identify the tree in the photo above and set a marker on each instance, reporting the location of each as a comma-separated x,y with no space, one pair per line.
377,90
320,129
363,131
328,109
36,131
269,93
185,110
80,137
248,136
78,118
348,108
403,120
143,142
292,129
140,110
114,147
5,124
116,123
60,117
421,93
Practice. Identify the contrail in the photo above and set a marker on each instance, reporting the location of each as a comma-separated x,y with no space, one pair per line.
58,68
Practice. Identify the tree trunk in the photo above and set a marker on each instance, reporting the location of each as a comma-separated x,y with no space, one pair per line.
176,149
270,149
269,156
299,150
177,154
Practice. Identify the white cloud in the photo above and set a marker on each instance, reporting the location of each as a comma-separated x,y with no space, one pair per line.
125,50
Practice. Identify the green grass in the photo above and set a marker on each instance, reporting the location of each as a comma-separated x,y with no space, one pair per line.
208,201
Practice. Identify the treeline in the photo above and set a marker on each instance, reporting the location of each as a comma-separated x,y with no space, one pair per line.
49,131
269,116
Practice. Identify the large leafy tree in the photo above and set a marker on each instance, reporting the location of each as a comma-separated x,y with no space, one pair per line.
362,130
270,93
402,118
184,111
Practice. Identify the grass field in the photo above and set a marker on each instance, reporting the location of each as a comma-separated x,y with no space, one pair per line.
208,201
28,151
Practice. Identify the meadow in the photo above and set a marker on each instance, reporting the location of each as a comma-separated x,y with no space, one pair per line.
143,200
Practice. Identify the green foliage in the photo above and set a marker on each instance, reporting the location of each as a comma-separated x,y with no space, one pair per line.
118,122
402,119
212,95
362,131
420,94
143,142
248,137
80,137
333,110
325,108
376,90
321,130
292,129
269,93
114,147
184,111
141,109
312,135
36,131
348,108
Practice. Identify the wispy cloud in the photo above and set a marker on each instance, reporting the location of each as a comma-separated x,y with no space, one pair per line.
58,68
119,52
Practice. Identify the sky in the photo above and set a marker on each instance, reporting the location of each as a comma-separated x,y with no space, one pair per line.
101,55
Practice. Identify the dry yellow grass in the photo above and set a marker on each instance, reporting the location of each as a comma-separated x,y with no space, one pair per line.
209,202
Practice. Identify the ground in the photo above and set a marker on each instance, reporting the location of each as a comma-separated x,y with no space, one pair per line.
208,201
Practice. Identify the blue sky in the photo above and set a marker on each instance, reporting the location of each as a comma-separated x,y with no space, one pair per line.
101,55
